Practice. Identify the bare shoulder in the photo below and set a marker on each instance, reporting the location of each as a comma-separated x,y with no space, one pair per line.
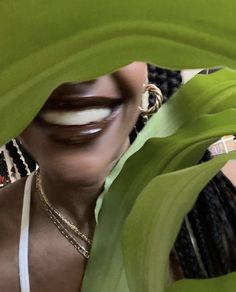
229,171
11,198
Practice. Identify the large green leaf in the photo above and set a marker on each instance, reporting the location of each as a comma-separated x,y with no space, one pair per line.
180,147
152,226
44,43
156,157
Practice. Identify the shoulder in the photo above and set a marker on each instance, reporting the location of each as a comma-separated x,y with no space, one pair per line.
229,171
11,196
11,199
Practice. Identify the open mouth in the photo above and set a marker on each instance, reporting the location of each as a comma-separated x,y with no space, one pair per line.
74,119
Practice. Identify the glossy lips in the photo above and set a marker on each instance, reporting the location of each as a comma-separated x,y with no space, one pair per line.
75,119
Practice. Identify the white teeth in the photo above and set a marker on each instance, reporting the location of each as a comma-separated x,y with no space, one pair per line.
73,118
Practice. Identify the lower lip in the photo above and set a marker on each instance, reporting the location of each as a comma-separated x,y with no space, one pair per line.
81,134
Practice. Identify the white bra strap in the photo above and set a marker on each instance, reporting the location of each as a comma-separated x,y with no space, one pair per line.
24,238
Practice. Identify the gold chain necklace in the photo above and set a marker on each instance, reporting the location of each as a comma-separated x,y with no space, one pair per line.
56,216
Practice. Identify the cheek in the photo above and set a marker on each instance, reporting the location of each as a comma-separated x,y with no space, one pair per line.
136,82
136,75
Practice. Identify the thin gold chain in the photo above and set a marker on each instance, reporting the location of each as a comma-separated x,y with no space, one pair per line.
56,216
59,214
83,251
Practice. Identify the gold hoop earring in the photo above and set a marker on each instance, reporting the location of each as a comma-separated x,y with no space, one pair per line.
145,110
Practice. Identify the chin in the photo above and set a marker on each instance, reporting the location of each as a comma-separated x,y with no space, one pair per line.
82,170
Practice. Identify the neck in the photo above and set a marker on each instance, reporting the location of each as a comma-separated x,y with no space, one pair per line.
76,201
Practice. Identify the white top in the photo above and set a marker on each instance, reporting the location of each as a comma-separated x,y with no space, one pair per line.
24,237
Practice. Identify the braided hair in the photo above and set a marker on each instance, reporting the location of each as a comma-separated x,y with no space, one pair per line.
212,220
206,244
15,162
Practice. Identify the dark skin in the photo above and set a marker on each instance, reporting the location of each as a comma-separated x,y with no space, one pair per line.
72,177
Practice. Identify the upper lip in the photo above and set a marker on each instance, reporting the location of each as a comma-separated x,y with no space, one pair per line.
68,96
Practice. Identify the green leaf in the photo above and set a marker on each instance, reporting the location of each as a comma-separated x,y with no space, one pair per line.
45,43
204,94
130,183
154,221
156,156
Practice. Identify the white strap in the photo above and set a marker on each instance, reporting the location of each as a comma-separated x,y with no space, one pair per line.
24,238
224,145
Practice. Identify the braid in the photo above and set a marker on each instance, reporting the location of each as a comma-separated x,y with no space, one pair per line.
209,209
226,193
31,164
186,254
4,175
213,216
167,80
213,221
16,158
197,226
198,222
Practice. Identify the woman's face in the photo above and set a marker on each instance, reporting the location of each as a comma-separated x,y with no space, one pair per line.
83,128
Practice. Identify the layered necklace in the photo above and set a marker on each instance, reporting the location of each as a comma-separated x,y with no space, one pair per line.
67,228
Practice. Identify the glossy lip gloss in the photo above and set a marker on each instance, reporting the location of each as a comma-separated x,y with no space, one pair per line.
78,120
